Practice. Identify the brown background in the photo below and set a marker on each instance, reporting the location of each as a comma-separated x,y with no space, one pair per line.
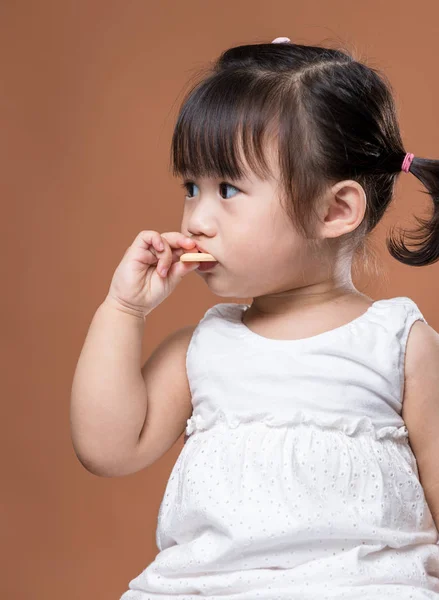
89,94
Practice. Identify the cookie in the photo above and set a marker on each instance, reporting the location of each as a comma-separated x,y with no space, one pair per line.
197,257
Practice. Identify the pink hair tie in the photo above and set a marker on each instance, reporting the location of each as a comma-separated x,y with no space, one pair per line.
407,162
281,40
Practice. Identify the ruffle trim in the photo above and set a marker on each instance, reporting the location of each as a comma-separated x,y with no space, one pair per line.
363,425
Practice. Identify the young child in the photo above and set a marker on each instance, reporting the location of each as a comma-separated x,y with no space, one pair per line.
297,480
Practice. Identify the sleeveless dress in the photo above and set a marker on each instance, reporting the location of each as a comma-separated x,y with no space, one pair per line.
296,480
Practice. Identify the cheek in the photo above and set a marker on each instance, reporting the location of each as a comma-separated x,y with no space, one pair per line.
260,246
256,260
275,259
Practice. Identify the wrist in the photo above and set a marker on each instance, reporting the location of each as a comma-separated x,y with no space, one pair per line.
118,306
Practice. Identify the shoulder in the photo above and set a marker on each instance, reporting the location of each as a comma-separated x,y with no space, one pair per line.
187,332
223,310
421,372
170,349
420,406
422,349
183,334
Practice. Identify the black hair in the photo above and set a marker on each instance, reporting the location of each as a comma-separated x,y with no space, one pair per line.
333,118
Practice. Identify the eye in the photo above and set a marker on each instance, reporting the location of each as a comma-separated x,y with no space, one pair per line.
188,185
223,187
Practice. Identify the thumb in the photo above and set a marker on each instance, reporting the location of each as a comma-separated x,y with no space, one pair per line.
180,269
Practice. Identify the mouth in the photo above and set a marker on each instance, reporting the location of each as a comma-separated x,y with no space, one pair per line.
203,251
206,266
200,249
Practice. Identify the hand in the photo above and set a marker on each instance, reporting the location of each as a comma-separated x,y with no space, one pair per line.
148,274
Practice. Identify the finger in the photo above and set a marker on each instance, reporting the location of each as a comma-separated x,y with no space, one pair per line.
177,239
144,248
179,270
163,249
177,243
165,258
177,253
148,240
173,270
175,257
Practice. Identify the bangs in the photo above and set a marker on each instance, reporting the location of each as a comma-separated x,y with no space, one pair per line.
222,127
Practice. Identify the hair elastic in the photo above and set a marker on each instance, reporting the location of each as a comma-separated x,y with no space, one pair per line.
407,162
281,40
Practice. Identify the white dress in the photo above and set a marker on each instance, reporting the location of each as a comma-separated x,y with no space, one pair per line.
296,480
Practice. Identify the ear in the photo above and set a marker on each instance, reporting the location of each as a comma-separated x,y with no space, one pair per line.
343,209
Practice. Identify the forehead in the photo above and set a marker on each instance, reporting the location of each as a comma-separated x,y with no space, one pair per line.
244,173
217,137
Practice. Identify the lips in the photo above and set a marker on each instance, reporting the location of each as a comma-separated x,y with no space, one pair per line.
200,249
206,266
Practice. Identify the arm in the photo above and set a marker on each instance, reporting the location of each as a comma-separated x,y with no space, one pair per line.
124,417
108,398
420,408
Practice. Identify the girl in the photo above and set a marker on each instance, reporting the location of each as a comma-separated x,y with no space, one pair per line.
297,480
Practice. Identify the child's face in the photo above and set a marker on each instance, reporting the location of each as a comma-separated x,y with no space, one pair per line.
243,225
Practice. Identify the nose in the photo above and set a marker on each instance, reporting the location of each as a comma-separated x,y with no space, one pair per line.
199,220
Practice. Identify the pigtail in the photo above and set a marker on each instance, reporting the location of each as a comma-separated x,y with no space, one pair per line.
426,236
